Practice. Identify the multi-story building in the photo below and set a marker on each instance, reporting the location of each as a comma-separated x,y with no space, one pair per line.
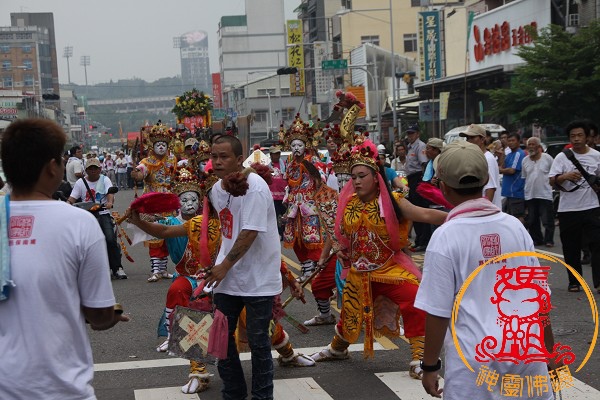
250,43
47,59
195,69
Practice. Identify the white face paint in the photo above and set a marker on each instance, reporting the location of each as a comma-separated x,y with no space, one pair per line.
202,165
160,148
190,202
298,147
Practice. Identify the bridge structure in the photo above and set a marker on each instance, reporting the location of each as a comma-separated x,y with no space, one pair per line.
154,104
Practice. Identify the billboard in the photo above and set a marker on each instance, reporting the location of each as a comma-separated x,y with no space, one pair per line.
295,56
431,45
217,90
495,36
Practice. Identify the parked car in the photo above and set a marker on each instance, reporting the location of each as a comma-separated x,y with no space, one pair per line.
453,134
555,147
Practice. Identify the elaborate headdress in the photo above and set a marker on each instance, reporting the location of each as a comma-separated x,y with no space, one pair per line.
301,130
203,151
364,153
343,134
185,180
159,133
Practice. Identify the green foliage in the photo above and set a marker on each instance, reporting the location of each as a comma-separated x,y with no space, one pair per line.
560,80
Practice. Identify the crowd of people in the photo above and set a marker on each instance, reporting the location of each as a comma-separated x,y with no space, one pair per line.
347,218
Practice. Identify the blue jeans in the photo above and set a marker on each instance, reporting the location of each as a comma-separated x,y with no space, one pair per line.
259,312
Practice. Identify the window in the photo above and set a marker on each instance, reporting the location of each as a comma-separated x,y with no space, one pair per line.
26,48
373,39
263,92
410,42
27,64
5,49
416,3
261,115
6,36
24,35
7,82
285,91
288,114
28,80
6,65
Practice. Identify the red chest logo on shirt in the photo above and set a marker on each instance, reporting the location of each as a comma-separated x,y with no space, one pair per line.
21,227
226,223
490,245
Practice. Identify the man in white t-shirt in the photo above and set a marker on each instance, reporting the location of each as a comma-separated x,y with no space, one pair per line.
59,269
538,193
578,209
476,134
75,168
476,231
98,193
246,272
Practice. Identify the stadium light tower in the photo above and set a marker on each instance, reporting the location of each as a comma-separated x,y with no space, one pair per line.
68,53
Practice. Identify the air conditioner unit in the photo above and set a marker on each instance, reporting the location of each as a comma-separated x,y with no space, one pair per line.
571,29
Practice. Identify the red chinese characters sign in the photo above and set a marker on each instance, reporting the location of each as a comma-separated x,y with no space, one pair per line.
194,122
499,38
217,92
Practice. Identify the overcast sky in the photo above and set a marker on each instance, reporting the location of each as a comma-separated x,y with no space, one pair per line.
129,38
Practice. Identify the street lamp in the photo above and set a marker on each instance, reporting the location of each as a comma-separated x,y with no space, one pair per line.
345,11
68,53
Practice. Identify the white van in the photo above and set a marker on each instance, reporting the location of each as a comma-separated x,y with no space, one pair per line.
453,134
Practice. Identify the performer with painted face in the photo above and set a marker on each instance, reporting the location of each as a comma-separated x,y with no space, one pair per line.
303,231
183,234
157,171
382,281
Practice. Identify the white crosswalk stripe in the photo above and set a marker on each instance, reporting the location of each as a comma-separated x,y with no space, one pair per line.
404,386
168,393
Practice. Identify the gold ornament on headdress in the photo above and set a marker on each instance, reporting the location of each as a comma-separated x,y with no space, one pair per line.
364,153
185,180
301,130
343,135
203,152
158,133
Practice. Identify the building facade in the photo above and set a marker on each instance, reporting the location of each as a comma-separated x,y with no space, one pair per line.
195,68
251,43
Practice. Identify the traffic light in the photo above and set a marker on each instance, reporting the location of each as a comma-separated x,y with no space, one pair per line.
50,97
287,71
93,127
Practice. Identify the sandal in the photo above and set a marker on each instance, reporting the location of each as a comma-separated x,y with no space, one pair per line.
298,360
415,370
574,288
155,277
195,385
328,355
318,320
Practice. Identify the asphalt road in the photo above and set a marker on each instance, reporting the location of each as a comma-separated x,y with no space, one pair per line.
128,366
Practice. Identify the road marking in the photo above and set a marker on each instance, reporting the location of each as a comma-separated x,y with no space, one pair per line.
175,362
384,341
299,389
557,255
404,386
167,393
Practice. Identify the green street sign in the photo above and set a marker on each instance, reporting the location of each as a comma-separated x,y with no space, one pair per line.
218,114
334,64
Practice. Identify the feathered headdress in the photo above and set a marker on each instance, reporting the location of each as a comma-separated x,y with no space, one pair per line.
300,130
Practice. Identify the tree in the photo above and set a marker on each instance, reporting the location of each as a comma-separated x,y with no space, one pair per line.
560,80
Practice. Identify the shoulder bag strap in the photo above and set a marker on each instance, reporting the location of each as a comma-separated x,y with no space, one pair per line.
89,190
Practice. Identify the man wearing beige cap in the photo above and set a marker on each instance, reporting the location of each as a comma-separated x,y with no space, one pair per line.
476,134
432,150
475,231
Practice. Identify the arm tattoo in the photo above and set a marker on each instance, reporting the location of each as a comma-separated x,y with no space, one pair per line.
241,245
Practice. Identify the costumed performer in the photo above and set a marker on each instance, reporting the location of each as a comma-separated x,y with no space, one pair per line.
303,231
157,172
381,281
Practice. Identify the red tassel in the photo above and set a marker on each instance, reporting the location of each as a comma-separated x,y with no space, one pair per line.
151,203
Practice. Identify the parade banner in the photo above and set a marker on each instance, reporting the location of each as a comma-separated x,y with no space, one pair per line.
295,56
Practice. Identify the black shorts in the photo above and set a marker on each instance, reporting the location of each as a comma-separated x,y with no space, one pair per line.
515,207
